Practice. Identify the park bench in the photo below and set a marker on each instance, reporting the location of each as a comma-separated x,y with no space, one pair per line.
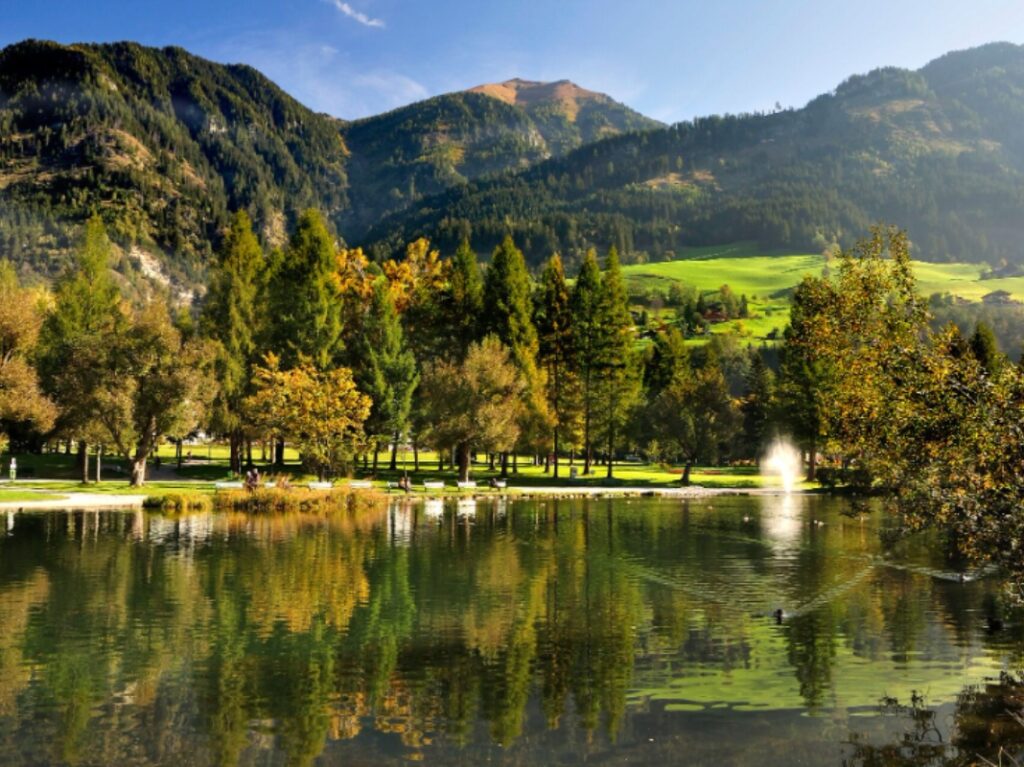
433,485
360,484
320,485
467,485
228,485
500,484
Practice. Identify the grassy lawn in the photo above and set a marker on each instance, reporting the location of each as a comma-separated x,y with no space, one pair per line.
765,279
11,496
201,478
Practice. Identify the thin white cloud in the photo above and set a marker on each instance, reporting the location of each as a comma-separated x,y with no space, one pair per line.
359,16
318,74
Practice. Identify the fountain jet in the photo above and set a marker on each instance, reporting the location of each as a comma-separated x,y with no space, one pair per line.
784,460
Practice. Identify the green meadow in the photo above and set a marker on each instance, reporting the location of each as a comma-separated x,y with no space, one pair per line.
766,279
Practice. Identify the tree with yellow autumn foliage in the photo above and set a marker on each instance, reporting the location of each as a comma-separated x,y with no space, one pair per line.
322,412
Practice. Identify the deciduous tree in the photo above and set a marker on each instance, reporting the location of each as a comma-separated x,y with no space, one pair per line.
477,403
321,411
21,399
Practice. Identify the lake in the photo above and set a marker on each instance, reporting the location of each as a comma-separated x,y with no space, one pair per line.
507,632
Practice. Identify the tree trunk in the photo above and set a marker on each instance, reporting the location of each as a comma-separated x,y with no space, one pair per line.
83,461
491,459
248,451
515,462
555,467
99,464
177,453
279,452
504,465
415,456
234,458
685,481
462,453
611,448
139,470
376,450
394,454
812,460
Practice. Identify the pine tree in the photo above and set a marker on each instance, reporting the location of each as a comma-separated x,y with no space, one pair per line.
388,371
555,332
619,383
305,309
231,317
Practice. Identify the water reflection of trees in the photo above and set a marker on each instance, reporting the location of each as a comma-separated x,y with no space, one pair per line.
987,727
216,634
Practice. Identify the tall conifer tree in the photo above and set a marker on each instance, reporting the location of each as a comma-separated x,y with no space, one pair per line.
554,328
587,345
305,306
463,301
388,371
619,383
508,315
77,337
231,316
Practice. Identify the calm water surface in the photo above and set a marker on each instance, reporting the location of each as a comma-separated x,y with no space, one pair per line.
510,633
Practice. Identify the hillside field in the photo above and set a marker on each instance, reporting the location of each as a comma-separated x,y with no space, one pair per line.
766,279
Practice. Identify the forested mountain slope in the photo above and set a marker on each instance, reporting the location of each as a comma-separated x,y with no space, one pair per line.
164,144
161,143
939,151
427,147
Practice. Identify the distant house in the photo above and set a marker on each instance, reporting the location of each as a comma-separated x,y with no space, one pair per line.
998,297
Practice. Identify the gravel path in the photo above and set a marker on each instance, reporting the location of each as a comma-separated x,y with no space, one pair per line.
66,501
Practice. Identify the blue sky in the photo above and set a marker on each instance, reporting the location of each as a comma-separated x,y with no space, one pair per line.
672,60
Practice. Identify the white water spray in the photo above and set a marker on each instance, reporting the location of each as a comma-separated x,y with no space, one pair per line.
783,460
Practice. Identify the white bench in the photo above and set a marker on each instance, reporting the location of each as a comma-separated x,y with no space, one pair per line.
467,485
320,485
500,484
433,485
228,485
360,484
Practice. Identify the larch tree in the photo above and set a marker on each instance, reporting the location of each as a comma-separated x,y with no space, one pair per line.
232,317
21,399
77,337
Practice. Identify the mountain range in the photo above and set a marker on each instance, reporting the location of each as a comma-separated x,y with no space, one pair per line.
164,144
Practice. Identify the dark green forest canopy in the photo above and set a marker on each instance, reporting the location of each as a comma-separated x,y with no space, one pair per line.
163,145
